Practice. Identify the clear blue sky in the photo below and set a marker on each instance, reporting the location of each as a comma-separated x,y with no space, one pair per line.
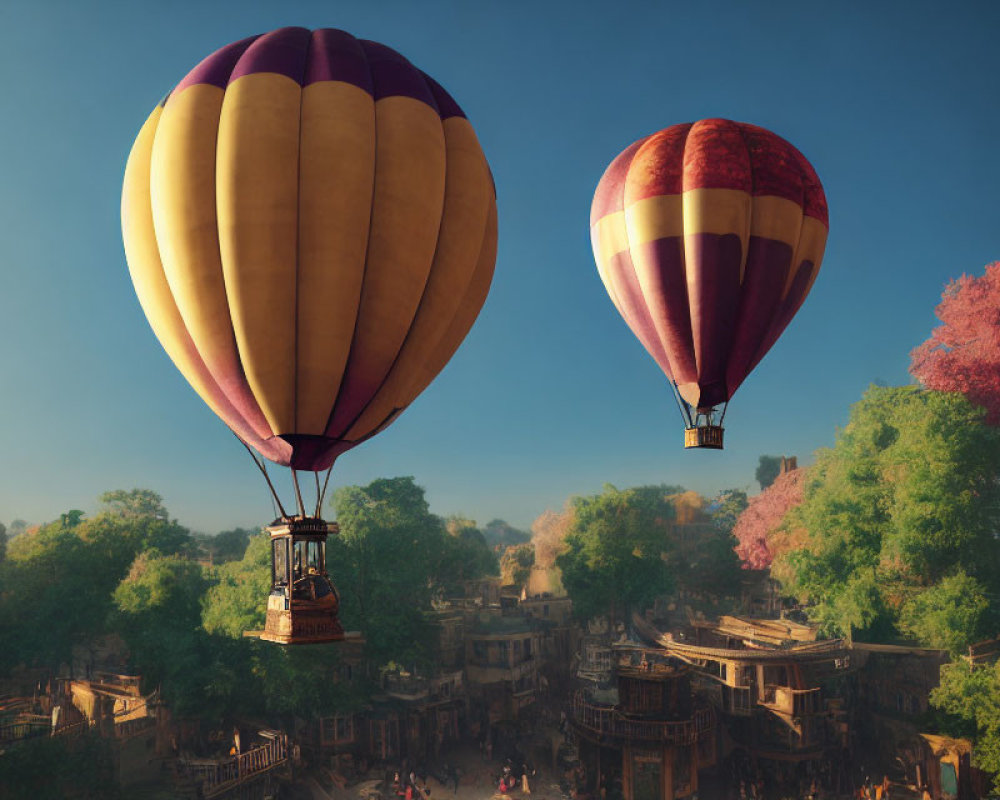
895,104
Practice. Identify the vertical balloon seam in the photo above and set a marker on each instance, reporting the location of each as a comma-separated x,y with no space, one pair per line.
684,266
184,322
617,293
623,183
402,345
776,328
410,389
435,366
626,255
364,265
240,374
298,236
236,344
744,259
327,431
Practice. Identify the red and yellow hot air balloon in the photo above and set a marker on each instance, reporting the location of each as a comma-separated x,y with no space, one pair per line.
311,228
708,237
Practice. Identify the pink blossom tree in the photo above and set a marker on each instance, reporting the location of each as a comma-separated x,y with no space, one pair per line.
963,353
759,530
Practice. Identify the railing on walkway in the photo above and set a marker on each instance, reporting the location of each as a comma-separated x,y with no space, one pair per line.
27,726
133,727
219,775
73,729
608,721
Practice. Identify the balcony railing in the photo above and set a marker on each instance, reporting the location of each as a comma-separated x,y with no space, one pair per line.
219,775
608,721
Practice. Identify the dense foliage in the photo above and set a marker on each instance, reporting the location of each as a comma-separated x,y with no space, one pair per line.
57,580
971,700
616,545
499,533
898,522
393,557
78,768
760,530
963,353
516,564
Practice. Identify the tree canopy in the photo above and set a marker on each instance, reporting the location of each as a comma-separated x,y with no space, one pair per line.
503,534
963,353
615,552
391,559
898,521
516,564
158,611
759,529
971,700
58,579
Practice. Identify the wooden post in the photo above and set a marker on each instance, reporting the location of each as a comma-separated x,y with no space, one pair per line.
667,772
627,775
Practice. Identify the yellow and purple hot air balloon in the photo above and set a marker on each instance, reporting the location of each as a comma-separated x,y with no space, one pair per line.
708,237
311,228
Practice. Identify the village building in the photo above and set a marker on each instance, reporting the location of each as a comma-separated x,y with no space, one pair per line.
642,732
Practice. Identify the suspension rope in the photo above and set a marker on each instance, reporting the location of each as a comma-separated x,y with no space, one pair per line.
682,406
263,471
322,495
298,493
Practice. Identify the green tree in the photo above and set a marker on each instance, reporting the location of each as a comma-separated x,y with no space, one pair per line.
386,564
237,601
71,518
970,699
503,534
768,468
230,545
3,541
616,550
58,580
59,767
134,503
466,556
728,505
158,611
906,498
950,614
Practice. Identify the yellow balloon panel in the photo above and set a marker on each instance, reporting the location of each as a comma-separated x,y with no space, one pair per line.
336,181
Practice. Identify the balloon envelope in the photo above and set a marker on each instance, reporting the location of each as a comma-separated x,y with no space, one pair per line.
708,237
310,225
